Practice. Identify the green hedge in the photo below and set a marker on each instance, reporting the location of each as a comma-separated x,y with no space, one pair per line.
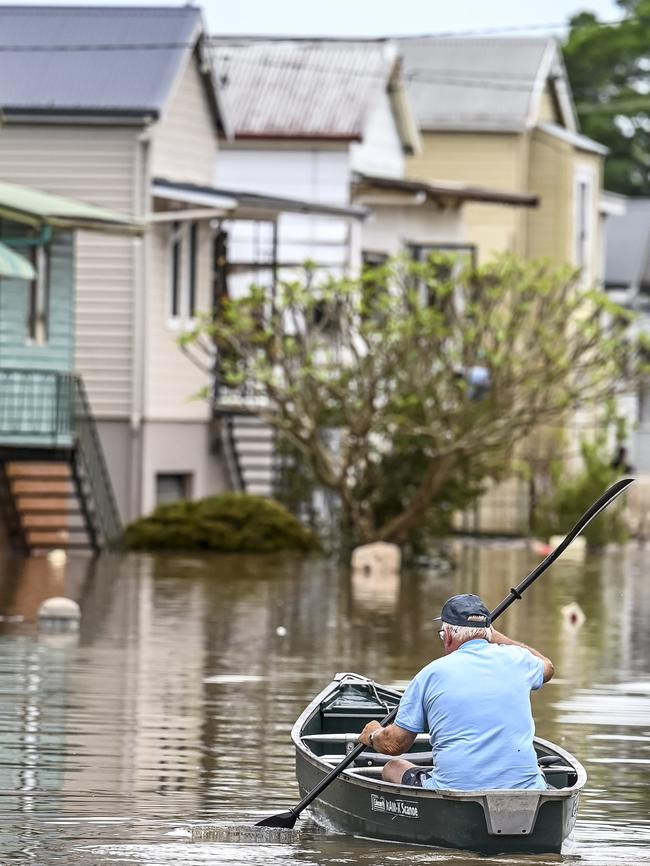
230,522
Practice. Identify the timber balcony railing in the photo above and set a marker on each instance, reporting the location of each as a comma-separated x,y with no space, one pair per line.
44,411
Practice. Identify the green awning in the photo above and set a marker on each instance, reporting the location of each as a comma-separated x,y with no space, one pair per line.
34,207
14,266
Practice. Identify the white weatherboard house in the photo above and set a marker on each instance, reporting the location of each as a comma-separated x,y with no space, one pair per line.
118,108
99,124
330,120
305,116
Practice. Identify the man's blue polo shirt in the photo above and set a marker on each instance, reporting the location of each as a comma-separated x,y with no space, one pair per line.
475,703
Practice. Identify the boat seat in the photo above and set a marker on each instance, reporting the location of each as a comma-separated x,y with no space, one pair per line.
375,759
375,772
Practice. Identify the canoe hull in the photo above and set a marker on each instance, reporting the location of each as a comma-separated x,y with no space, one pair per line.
360,803
408,815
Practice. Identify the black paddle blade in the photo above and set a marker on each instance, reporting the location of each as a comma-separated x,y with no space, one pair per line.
284,819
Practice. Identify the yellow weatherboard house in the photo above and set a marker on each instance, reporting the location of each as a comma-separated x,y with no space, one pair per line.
499,112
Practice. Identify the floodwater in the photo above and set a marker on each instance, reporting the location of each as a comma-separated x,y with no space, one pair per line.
171,709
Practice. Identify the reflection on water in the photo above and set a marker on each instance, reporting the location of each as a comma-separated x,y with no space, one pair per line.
171,708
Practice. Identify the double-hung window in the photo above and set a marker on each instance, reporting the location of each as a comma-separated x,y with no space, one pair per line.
583,226
183,273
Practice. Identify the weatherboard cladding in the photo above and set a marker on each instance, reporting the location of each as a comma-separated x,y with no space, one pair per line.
40,74
473,84
92,164
184,143
300,89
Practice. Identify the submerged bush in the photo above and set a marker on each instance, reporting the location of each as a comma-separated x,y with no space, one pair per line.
571,496
230,522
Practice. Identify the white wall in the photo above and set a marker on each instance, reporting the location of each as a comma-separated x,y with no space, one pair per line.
313,173
170,378
380,152
309,174
390,228
184,141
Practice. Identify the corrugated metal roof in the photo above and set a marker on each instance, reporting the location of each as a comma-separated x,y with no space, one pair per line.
31,205
79,58
304,89
627,246
476,83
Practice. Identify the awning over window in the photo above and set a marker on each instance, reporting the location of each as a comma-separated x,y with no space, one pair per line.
34,207
14,266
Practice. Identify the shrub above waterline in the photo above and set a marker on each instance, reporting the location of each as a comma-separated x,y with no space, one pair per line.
230,523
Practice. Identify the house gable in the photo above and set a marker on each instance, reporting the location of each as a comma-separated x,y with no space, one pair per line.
380,150
184,141
488,84
549,111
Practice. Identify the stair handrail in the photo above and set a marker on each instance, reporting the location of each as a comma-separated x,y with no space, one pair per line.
231,455
91,455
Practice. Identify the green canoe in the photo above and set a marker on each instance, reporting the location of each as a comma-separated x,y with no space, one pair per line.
360,803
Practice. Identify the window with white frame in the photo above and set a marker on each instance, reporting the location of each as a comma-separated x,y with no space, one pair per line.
38,297
183,272
583,209
454,258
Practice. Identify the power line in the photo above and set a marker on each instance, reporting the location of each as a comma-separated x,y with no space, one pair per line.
445,34
248,41
472,79
520,28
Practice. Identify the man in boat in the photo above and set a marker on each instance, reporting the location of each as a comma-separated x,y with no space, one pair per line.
475,704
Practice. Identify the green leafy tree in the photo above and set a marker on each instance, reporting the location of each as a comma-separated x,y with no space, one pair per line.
609,70
399,385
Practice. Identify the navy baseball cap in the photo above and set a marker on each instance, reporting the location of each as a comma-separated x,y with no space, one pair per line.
466,610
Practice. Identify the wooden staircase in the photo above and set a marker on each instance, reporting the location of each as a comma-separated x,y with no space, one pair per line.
55,490
49,509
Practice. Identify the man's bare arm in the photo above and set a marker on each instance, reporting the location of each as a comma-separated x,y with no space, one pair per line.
391,740
549,669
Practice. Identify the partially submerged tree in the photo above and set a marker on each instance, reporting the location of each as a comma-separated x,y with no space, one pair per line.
416,365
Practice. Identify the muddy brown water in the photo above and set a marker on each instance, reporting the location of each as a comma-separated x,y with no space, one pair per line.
172,707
